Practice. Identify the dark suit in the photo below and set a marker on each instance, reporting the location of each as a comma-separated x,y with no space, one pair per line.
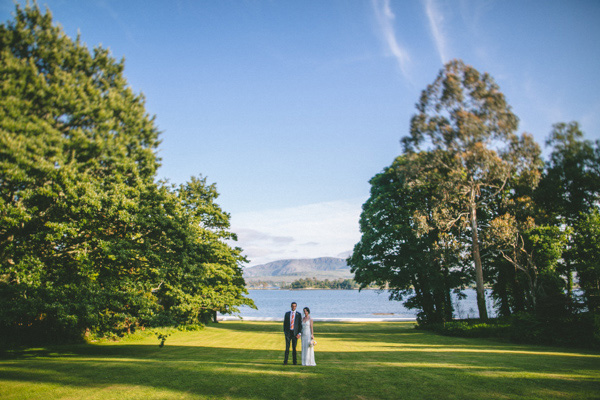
291,335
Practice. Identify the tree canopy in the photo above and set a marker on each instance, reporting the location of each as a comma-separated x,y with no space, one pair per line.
466,125
419,266
88,238
470,201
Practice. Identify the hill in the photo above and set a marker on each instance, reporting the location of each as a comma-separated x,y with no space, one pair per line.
290,270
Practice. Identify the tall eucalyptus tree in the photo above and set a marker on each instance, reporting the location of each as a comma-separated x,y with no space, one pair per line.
464,119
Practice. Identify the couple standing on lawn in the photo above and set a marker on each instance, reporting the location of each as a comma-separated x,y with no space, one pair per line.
294,327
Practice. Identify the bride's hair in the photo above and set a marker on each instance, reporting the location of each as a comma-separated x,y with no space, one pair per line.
307,309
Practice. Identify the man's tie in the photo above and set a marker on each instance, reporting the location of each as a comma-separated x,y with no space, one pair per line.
292,323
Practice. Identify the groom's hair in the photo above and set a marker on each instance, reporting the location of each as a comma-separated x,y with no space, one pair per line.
293,302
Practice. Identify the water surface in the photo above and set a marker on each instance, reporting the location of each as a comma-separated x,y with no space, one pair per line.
343,305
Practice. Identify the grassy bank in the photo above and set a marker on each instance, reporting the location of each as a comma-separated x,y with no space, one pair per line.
243,360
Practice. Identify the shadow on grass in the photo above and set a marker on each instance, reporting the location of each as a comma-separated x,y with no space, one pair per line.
222,372
406,366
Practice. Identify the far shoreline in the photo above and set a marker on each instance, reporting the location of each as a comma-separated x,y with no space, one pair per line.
253,288
228,318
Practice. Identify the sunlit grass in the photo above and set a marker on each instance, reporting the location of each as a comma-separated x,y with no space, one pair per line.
243,360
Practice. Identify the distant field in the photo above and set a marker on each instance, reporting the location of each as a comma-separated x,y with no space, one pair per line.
243,360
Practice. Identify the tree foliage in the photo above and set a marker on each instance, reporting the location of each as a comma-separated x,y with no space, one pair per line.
393,255
535,252
88,239
470,201
465,123
570,188
587,258
314,283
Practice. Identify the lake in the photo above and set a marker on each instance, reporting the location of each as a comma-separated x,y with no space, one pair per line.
366,305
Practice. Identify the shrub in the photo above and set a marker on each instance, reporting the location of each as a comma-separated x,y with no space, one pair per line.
577,330
471,328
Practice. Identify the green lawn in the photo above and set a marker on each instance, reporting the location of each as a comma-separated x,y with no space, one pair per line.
243,360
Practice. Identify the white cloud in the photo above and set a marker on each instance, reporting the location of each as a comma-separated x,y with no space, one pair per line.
385,20
251,235
314,230
436,27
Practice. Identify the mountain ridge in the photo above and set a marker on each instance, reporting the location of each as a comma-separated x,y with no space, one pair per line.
320,268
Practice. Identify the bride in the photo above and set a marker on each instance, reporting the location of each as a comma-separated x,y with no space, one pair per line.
308,339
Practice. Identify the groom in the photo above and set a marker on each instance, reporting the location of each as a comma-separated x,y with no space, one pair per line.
292,328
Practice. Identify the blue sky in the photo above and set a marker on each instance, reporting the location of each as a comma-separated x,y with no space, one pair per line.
290,107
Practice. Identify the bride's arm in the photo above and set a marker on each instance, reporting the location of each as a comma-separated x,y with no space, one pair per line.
312,332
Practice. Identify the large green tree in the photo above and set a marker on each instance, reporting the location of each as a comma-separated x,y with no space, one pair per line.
535,251
586,258
208,277
570,187
419,267
86,234
514,220
465,122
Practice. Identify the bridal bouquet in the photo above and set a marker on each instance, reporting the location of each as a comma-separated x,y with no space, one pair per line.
312,343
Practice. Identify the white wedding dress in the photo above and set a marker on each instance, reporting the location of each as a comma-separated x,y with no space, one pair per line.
308,351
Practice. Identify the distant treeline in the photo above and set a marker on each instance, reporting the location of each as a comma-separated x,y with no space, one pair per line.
309,283
314,283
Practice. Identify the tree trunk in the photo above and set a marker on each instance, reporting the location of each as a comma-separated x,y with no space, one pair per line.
501,289
427,302
569,286
478,268
448,311
518,294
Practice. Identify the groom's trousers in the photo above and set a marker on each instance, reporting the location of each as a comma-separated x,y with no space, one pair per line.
294,342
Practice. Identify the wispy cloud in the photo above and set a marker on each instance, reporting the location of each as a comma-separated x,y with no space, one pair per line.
309,231
385,20
125,27
436,27
251,235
